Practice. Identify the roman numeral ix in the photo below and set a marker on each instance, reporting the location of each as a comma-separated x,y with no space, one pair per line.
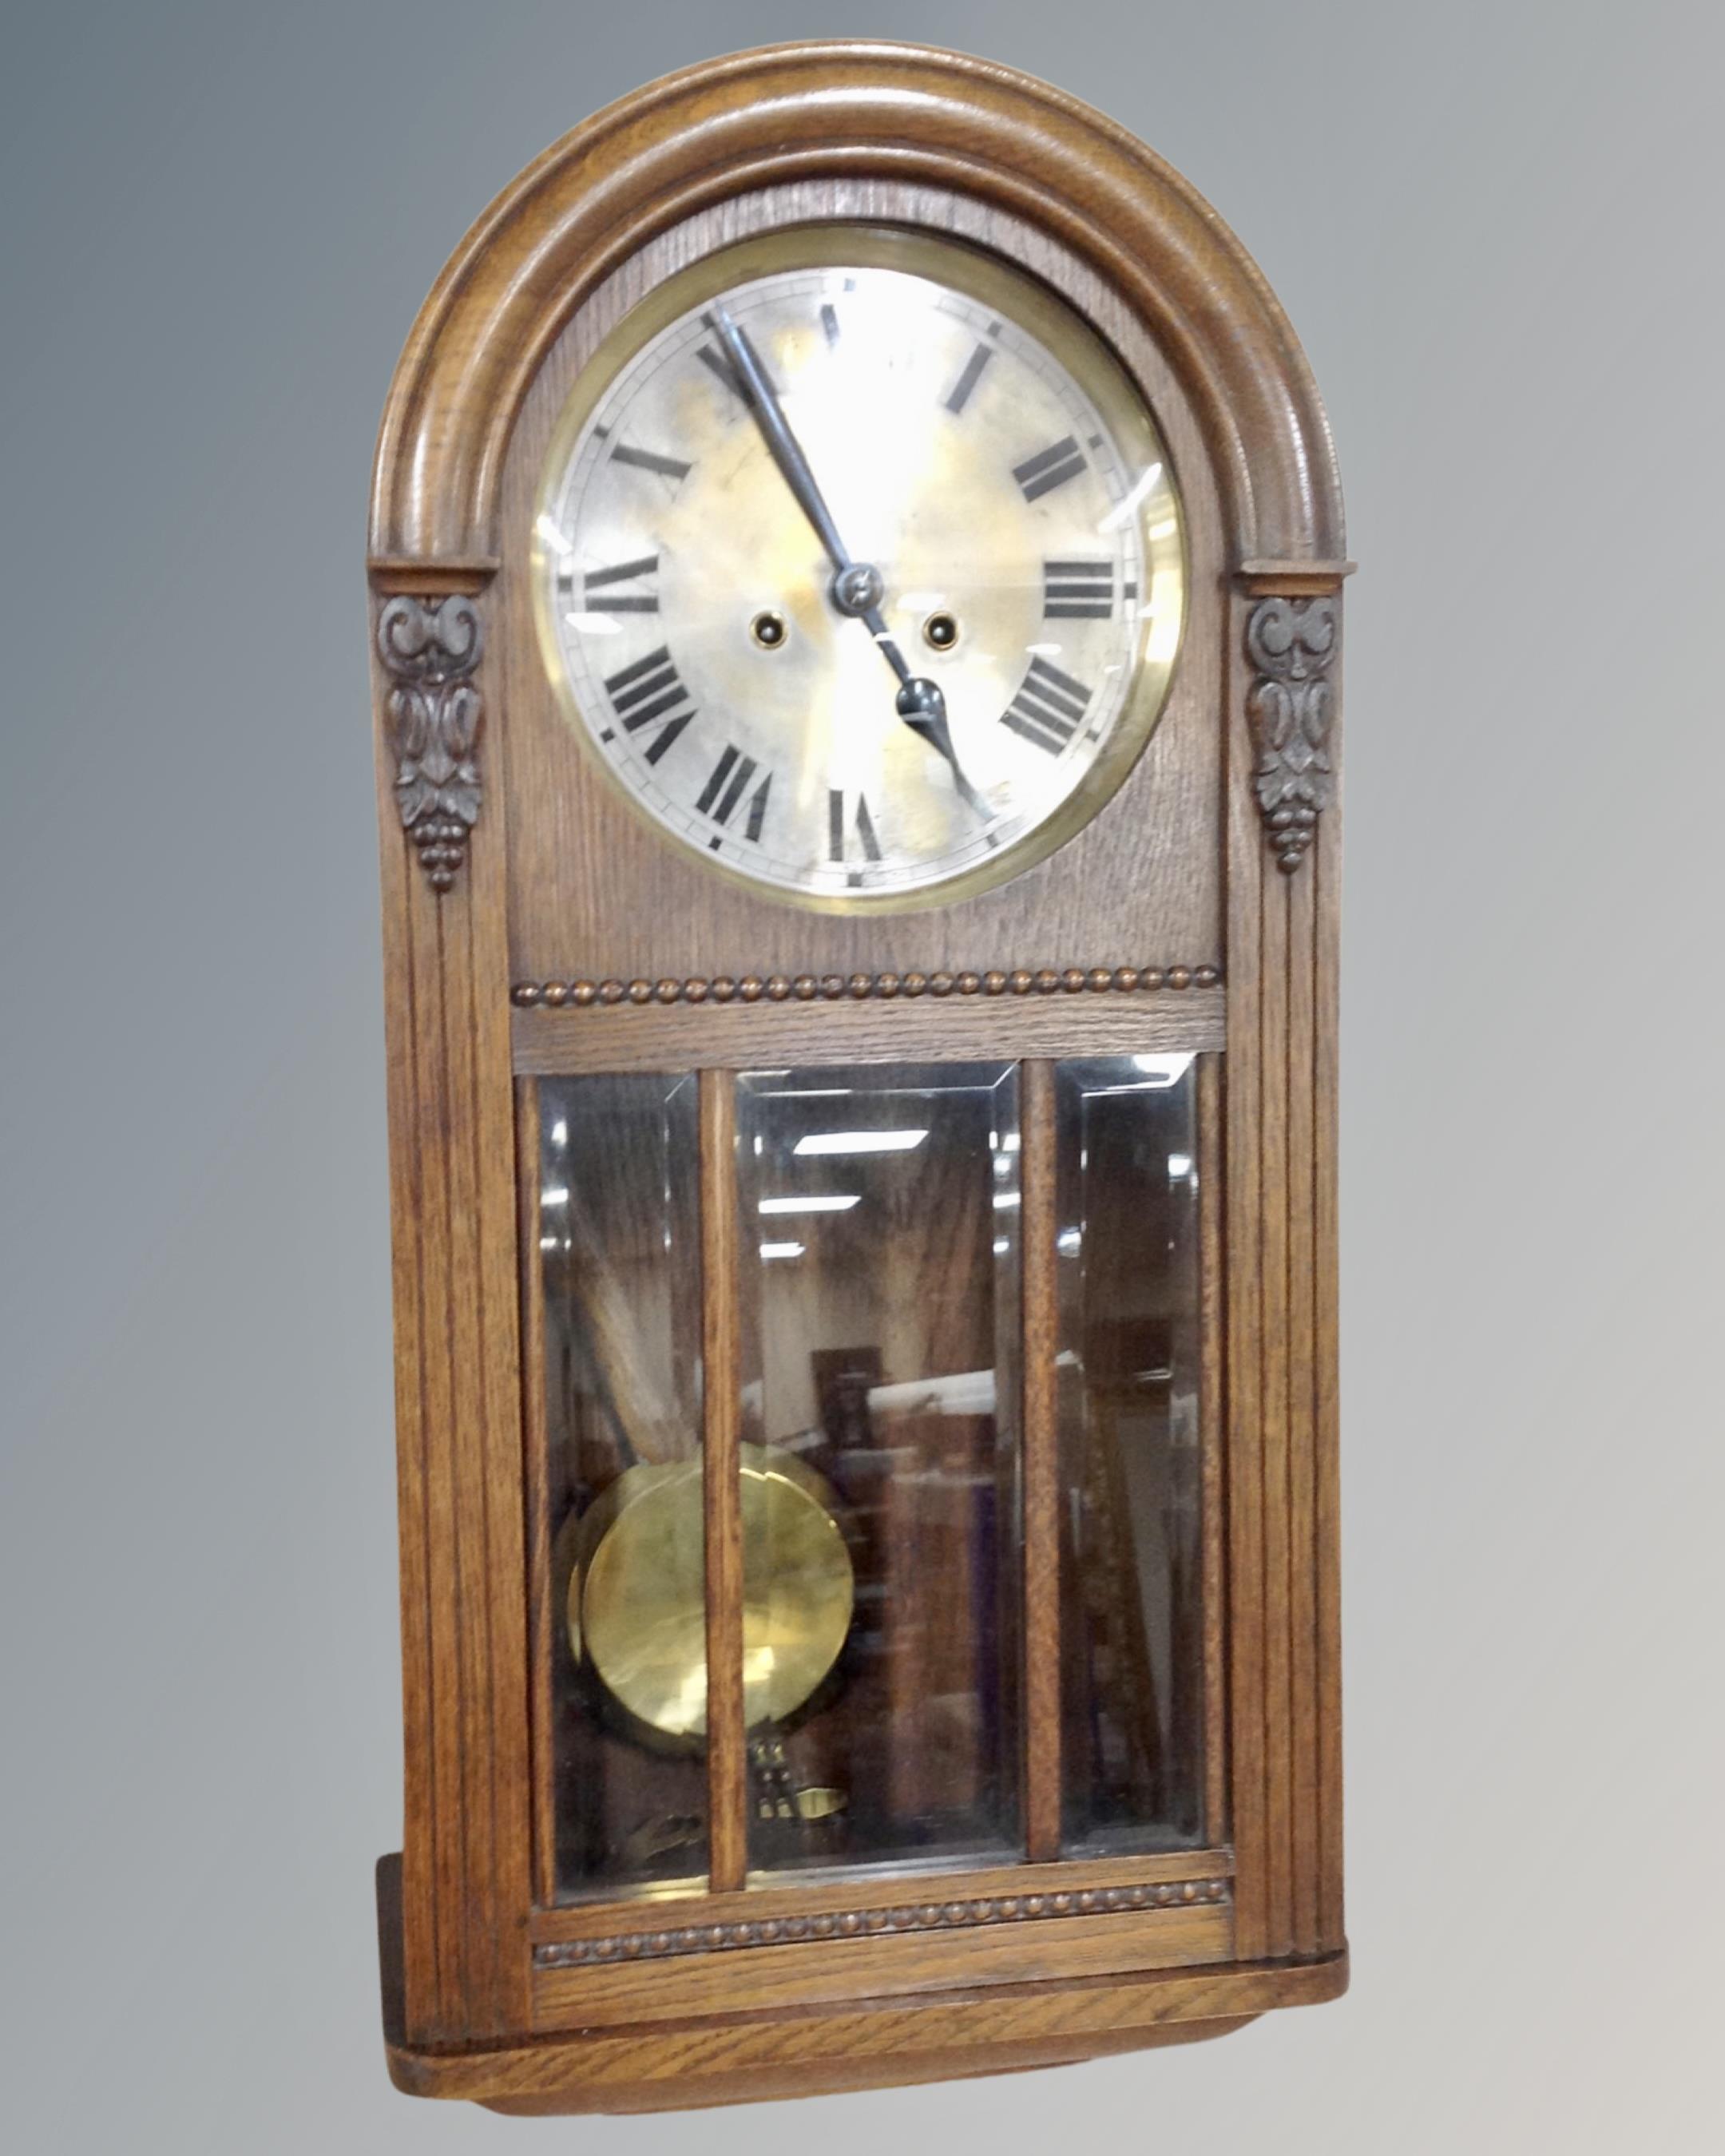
648,694
1049,709
1077,591
1048,468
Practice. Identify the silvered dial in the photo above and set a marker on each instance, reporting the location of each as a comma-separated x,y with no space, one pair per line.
862,574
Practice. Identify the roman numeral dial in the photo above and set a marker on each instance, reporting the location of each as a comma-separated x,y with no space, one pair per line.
858,566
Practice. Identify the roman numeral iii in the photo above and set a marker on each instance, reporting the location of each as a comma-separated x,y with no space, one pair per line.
1049,709
648,693
1077,591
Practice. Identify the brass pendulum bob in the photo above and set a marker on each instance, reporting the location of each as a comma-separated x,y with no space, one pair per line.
637,1596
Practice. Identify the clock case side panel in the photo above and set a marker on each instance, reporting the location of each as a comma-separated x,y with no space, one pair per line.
597,894
465,1889
1281,1320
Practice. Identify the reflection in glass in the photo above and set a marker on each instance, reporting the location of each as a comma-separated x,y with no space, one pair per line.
1130,1467
619,1243
880,1314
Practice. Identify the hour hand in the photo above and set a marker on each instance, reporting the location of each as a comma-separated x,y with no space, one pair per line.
923,709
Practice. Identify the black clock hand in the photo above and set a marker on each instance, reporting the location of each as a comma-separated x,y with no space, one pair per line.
856,586
762,400
923,709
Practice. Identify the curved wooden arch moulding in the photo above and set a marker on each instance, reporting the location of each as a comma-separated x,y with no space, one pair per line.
837,110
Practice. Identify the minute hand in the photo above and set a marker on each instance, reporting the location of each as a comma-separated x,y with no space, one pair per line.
762,400
856,586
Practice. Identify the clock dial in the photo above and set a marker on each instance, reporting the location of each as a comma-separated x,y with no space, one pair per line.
858,562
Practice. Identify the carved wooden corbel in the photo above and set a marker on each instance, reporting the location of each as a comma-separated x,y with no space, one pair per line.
430,646
1290,642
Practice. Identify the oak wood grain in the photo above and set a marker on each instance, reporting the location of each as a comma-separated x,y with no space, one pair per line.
1327,1540
467,1828
1043,1778
819,1973
1245,1080
541,1615
1212,1228
656,1037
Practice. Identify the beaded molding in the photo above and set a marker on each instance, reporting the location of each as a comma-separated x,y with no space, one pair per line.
872,1923
859,988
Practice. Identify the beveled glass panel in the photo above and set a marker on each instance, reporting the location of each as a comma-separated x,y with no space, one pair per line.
880,1473
619,1249
1130,1459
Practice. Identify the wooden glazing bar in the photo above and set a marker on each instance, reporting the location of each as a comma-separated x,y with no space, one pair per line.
727,1766
1040,1438
529,1175
1211,1408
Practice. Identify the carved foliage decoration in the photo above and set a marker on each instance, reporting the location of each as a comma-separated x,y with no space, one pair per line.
430,648
1290,642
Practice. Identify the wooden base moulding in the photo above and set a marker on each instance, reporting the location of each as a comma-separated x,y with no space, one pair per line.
698,2059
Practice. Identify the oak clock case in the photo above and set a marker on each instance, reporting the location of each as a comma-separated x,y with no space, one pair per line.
856,556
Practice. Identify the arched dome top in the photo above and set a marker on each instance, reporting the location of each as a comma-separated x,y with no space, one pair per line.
840,109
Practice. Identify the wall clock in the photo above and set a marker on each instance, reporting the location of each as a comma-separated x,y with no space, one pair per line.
855,554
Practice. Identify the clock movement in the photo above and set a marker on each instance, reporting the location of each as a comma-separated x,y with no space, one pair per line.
855,558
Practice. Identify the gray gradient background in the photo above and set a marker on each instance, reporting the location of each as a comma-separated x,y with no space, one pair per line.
1496,227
